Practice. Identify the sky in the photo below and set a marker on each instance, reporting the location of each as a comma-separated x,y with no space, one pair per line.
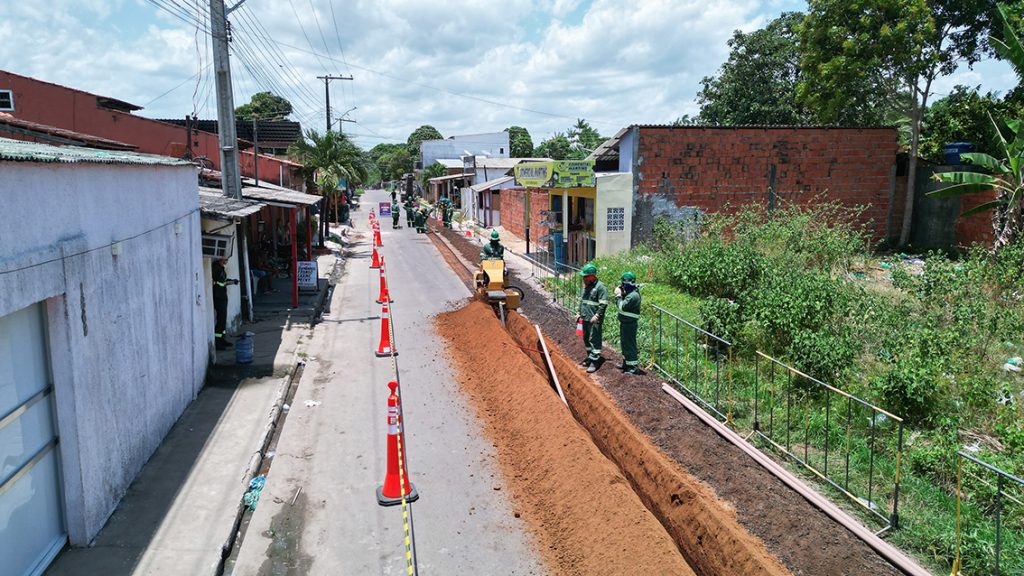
462,66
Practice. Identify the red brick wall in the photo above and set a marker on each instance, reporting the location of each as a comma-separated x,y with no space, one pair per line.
708,168
976,228
512,211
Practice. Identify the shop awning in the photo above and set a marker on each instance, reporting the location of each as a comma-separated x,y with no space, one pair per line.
450,177
213,203
491,184
281,197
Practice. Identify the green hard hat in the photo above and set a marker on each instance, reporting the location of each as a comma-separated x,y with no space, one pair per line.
628,277
589,270
494,234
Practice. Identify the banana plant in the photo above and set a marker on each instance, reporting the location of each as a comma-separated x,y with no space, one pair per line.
1005,176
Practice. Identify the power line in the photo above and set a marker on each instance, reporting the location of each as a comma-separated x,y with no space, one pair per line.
321,30
442,90
250,22
337,34
185,16
303,28
186,81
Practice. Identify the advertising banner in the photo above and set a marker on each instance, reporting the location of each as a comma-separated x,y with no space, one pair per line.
557,174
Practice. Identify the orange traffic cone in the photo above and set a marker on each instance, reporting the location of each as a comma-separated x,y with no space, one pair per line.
385,348
376,239
376,259
468,234
383,296
396,479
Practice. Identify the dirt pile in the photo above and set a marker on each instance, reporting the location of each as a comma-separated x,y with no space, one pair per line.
705,528
583,512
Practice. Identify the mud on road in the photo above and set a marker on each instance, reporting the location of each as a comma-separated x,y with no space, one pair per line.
806,540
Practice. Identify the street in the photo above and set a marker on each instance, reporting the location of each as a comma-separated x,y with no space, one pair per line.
318,513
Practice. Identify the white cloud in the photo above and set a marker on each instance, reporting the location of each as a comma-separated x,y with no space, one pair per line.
611,62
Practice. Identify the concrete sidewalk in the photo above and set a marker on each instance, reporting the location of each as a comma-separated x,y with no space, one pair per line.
318,513
180,512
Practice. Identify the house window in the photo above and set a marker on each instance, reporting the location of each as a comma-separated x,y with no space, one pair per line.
217,246
6,100
616,219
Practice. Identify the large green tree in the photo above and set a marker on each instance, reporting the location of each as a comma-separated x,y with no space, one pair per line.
264,106
757,84
519,142
425,132
557,147
1005,174
966,115
862,55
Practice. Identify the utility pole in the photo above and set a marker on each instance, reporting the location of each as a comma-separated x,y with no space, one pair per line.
230,173
327,93
255,149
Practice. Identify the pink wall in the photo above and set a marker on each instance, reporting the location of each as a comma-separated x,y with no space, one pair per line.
64,107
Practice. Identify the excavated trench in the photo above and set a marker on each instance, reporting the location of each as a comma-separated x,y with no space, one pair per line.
598,495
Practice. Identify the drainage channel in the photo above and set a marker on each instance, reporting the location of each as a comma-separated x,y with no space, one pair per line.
229,551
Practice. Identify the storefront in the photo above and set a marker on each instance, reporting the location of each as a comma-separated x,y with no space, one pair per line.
587,215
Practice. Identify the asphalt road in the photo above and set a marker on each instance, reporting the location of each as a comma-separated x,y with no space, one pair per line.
318,513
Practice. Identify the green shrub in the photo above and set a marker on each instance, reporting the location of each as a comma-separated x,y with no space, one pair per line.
721,317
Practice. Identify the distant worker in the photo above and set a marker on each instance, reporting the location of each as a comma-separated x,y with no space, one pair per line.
421,220
627,297
493,250
410,210
220,302
446,212
593,303
395,214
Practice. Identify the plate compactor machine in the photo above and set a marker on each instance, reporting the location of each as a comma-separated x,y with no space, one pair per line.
492,287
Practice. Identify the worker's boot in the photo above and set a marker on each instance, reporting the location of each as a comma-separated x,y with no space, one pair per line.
585,362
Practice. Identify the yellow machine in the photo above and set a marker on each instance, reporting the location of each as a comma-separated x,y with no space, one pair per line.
492,285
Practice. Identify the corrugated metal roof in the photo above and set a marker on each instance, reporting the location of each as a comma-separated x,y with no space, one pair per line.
18,151
449,162
507,163
9,123
450,177
272,133
609,149
491,184
213,202
764,127
279,195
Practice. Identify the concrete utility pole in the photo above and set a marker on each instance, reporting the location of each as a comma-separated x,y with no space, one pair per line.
327,93
231,179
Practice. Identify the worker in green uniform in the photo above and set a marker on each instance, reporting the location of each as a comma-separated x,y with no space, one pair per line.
593,303
627,297
410,211
446,212
493,250
395,214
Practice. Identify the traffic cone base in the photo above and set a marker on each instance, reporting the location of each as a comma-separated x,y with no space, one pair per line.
383,500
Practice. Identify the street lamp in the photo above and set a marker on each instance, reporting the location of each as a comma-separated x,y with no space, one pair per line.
342,118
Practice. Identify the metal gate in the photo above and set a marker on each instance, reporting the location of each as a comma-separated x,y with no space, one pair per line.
32,528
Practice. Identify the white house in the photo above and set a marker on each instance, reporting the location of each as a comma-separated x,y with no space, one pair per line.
493,145
103,334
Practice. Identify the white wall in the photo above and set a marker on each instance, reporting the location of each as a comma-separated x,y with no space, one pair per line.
127,333
494,144
613,191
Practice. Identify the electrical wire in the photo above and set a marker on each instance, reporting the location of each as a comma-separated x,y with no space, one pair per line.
108,245
337,34
186,81
259,42
435,88
303,28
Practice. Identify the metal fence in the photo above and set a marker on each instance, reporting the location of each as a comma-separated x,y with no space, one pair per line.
849,443
998,506
692,358
825,430
560,279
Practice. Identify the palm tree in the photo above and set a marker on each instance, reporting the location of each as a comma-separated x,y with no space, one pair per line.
433,171
330,158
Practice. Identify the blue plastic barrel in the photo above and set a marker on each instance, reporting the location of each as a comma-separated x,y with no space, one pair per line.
953,150
244,347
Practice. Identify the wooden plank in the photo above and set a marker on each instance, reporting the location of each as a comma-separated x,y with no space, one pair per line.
551,367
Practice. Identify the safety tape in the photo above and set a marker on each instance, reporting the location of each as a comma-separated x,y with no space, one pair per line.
407,530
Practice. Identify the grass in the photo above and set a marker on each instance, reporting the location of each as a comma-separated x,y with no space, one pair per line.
924,341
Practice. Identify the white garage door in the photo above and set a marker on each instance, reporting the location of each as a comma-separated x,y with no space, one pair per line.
31,518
